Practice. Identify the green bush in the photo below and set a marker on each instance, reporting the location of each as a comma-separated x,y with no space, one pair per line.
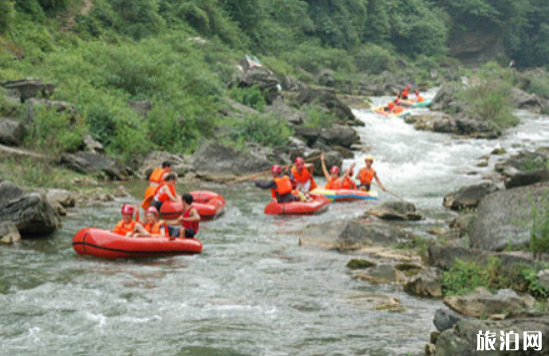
56,132
374,59
539,229
312,58
318,118
266,130
7,14
32,173
250,96
539,85
464,277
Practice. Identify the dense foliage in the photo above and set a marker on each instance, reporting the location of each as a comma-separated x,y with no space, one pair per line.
180,55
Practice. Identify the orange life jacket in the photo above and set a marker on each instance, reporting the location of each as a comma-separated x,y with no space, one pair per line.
366,175
155,229
122,228
162,196
405,93
348,183
419,99
398,110
283,186
304,177
333,184
157,174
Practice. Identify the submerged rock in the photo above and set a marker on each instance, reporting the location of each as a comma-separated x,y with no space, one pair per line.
469,196
345,235
395,211
358,263
9,233
425,284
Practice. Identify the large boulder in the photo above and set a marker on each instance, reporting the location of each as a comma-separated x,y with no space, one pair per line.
141,106
217,159
326,97
524,100
94,163
309,134
395,210
446,319
31,212
261,77
520,179
92,145
339,135
11,132
345,235
503,218
29,88
469,197
181,164
9,233
332,158
425,284
463,339
479,305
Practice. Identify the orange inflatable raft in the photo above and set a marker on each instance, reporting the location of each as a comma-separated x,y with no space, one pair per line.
209,206
318,205
106,244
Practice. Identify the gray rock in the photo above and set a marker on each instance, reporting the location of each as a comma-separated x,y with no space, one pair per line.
326,97
461,224
216,158
543,277
309,134
425,284
94,163
396,210
446,319
65,198
9,233
339,135
326,78
92,145
58,106
520,179
502,218
141,106
11,132
524,100
445,125
345,235
332,158
31,212
462,339
261,77
469,196
29,88
484,305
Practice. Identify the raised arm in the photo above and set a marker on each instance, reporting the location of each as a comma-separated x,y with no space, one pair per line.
326,174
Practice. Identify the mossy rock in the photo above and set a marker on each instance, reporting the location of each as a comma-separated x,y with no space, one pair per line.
499,151
358,263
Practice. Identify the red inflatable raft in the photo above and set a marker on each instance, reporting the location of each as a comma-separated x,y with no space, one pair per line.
209,206
318,205
106,244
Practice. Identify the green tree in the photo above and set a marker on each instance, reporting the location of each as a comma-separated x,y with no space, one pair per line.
7,14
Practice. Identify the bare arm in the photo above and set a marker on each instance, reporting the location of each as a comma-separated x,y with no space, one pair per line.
379,182
326,175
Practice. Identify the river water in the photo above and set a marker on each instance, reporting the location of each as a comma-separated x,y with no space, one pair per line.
253,291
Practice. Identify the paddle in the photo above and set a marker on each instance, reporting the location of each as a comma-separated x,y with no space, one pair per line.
390,193
257,175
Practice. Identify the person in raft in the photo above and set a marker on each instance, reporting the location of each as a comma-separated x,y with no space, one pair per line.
153,227
303,175
126,226
157,176
189,219
347,181
392,107
281,185
165,192
419,98
405,92
335,182
367,174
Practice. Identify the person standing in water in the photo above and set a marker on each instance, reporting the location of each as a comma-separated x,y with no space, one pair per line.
367,174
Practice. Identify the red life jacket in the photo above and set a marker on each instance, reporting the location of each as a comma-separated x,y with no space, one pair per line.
348,183
195,225
283,186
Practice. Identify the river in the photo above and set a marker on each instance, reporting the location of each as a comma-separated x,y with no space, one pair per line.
253,291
